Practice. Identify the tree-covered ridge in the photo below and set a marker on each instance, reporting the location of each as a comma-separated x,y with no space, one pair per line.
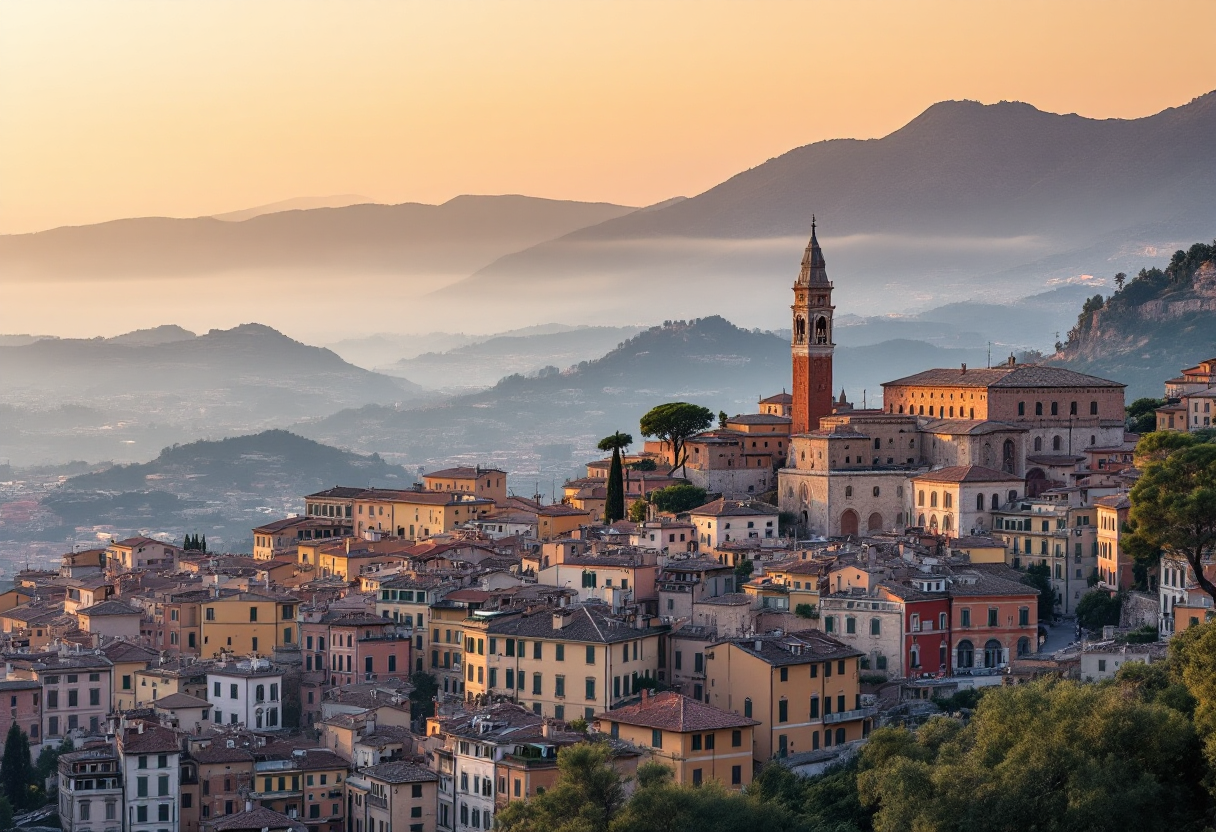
1150,284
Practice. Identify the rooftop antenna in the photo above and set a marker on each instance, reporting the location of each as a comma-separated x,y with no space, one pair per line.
989,355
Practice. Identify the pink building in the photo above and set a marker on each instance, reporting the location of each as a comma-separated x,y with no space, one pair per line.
22,703
361,644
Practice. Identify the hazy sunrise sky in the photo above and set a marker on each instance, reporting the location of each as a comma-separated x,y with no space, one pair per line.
112,109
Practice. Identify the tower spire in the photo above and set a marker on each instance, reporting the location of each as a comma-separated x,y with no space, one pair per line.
814,269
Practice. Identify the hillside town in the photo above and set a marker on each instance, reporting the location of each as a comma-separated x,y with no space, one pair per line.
415,659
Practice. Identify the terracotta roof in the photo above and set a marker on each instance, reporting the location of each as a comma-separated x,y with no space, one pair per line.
180,700
1114,501
255,820
722,507
729,599
760,419
291,522
219,752
109,608
399,771
969,427
779,398
967,473
125,651
676,712
133,542
154,739
795,648
1018,375
589,623
463,472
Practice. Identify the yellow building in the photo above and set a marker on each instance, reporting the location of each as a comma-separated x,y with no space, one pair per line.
560,520
308,785
402,513
248,622
489,483
566,663
346,558
142,553
160,680
128,660
696,741
980,548
800,578
407,599
396,795
803,690
281,537
1114,565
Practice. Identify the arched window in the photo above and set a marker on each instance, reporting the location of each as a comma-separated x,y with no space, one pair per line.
799,329
933,499
947,522
1038,408
992,653
951,411
848,491
1038,443
747,708
996,502
1055,408
259,693
922,411
979,502
1007,456
920,497
915,656
821,330
948,500
876,491
972,414
920,521
1024,646
1055,443
966,654
901,408
1093,440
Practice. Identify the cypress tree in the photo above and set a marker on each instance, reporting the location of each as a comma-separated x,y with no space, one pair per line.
614,504
202,547
16,770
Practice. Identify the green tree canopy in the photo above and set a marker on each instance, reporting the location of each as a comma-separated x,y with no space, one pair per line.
426,688
679,497
1142,414
16,770
1038,575
674,423
1048,755
587,796
1174,502
1098,608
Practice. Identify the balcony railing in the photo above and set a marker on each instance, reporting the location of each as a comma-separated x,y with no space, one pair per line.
377,801
848,716
274,795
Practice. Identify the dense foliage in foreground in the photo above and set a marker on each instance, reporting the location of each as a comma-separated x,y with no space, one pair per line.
1138,752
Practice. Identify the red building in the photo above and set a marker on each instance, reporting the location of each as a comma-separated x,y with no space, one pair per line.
926,649
993,619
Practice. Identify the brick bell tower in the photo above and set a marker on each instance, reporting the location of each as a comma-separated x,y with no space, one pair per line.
812,342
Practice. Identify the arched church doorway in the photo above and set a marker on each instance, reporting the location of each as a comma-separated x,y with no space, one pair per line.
848,523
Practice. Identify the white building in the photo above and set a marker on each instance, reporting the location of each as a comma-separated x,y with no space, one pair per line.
723,521
248,692
90,790
150,760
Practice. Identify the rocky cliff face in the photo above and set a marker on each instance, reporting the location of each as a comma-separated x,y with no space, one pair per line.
1141,335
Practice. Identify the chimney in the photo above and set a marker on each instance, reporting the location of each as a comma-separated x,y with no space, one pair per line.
139,727
964,368
248,805
645,695
348,545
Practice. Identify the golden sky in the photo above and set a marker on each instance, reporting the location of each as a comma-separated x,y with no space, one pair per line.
113,108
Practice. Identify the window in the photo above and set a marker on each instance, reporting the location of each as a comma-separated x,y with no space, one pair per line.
850,625
141,814
232,692
590,654
560,651
656,738
1024,616
126,682
814,707
785,674
736,738
162,812
141,786
559,686
965,616
783,711
747,708
875,627
696,776
209,614
590,689
696,742
992,616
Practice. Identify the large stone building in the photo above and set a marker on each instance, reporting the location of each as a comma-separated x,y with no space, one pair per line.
850,471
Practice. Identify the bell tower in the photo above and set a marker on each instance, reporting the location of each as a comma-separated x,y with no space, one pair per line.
811,349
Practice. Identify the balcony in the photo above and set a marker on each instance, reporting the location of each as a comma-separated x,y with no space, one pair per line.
849,716
377,801
276,795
